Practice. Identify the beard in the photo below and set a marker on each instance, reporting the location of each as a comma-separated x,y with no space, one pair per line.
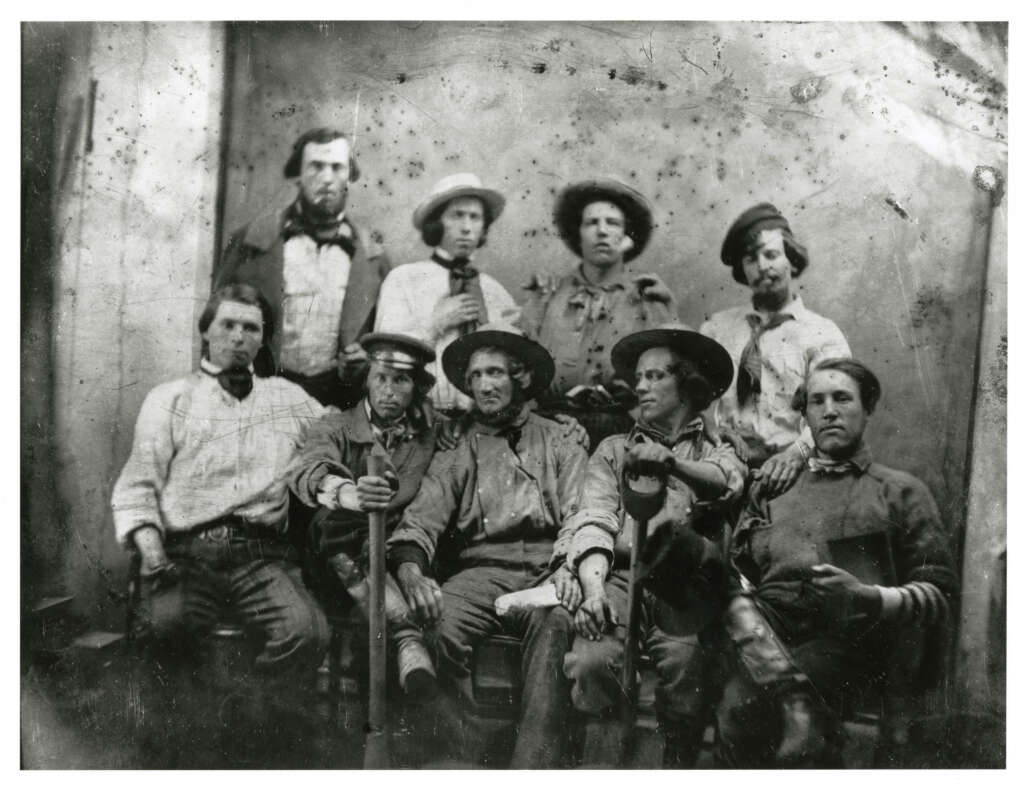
503,415
325,211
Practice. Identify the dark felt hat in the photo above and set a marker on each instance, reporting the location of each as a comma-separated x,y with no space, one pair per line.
455,358
575,197
711,359
763,216
398,350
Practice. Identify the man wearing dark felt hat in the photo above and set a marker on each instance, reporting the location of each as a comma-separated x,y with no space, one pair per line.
582,314
774,341
677,373
499,498
330,475
318,269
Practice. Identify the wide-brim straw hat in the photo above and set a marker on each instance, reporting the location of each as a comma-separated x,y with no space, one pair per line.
575,197
462,184
455,358
711,359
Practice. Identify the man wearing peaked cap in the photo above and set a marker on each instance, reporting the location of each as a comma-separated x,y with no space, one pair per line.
677,374
582,314
330,475
501,496
774,342
440,299
319,271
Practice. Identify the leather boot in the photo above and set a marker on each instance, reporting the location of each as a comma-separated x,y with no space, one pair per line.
806,732
416,673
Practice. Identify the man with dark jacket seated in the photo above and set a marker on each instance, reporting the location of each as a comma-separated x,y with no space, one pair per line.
830,573
677,374
501,496
330,474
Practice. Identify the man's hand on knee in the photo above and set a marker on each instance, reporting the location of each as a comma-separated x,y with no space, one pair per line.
594,614
422,593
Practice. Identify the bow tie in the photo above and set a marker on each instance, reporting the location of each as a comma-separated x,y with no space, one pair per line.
237,382
458,269
337,232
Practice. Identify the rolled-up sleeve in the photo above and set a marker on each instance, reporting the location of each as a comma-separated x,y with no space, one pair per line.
598,519
323,453
723,456
136,497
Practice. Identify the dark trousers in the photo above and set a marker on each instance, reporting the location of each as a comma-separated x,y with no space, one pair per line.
250,580
687,667
468,618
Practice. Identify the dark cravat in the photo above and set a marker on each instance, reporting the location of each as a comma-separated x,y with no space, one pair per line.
237,382
464,278
748,376
336,232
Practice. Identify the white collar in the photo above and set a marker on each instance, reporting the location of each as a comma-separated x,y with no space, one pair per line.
212,368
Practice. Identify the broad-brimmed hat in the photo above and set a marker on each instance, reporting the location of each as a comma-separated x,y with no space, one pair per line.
455,358
398,350
461,184
571,201
763,216
711,359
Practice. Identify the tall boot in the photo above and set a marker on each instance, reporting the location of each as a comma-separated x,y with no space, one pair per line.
416,674
808,738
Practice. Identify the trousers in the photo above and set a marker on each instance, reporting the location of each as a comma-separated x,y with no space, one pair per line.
251,580
468,617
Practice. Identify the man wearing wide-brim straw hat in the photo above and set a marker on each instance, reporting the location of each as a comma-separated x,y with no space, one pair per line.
439,299
330,475
580,316
677,373
774,342
501,495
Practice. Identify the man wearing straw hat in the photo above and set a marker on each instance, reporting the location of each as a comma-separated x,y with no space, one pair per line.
677,373
319,272
500,498
607,224
330,474
440,299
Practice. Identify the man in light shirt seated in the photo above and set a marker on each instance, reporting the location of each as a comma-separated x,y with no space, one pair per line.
203,498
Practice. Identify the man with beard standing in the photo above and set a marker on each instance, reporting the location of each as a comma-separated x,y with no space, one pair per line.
500,496
775,341
320,274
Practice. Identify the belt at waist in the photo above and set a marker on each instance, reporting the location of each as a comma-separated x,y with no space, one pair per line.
229,528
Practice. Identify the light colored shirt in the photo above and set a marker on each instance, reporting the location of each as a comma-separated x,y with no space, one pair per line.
602,522
315,281
199,454
409,297
788,353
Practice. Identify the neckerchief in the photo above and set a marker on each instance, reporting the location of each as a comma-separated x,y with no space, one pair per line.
389,435
508,423
237,382
748,376
335,232
592,300
693,429
463,277
822,464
